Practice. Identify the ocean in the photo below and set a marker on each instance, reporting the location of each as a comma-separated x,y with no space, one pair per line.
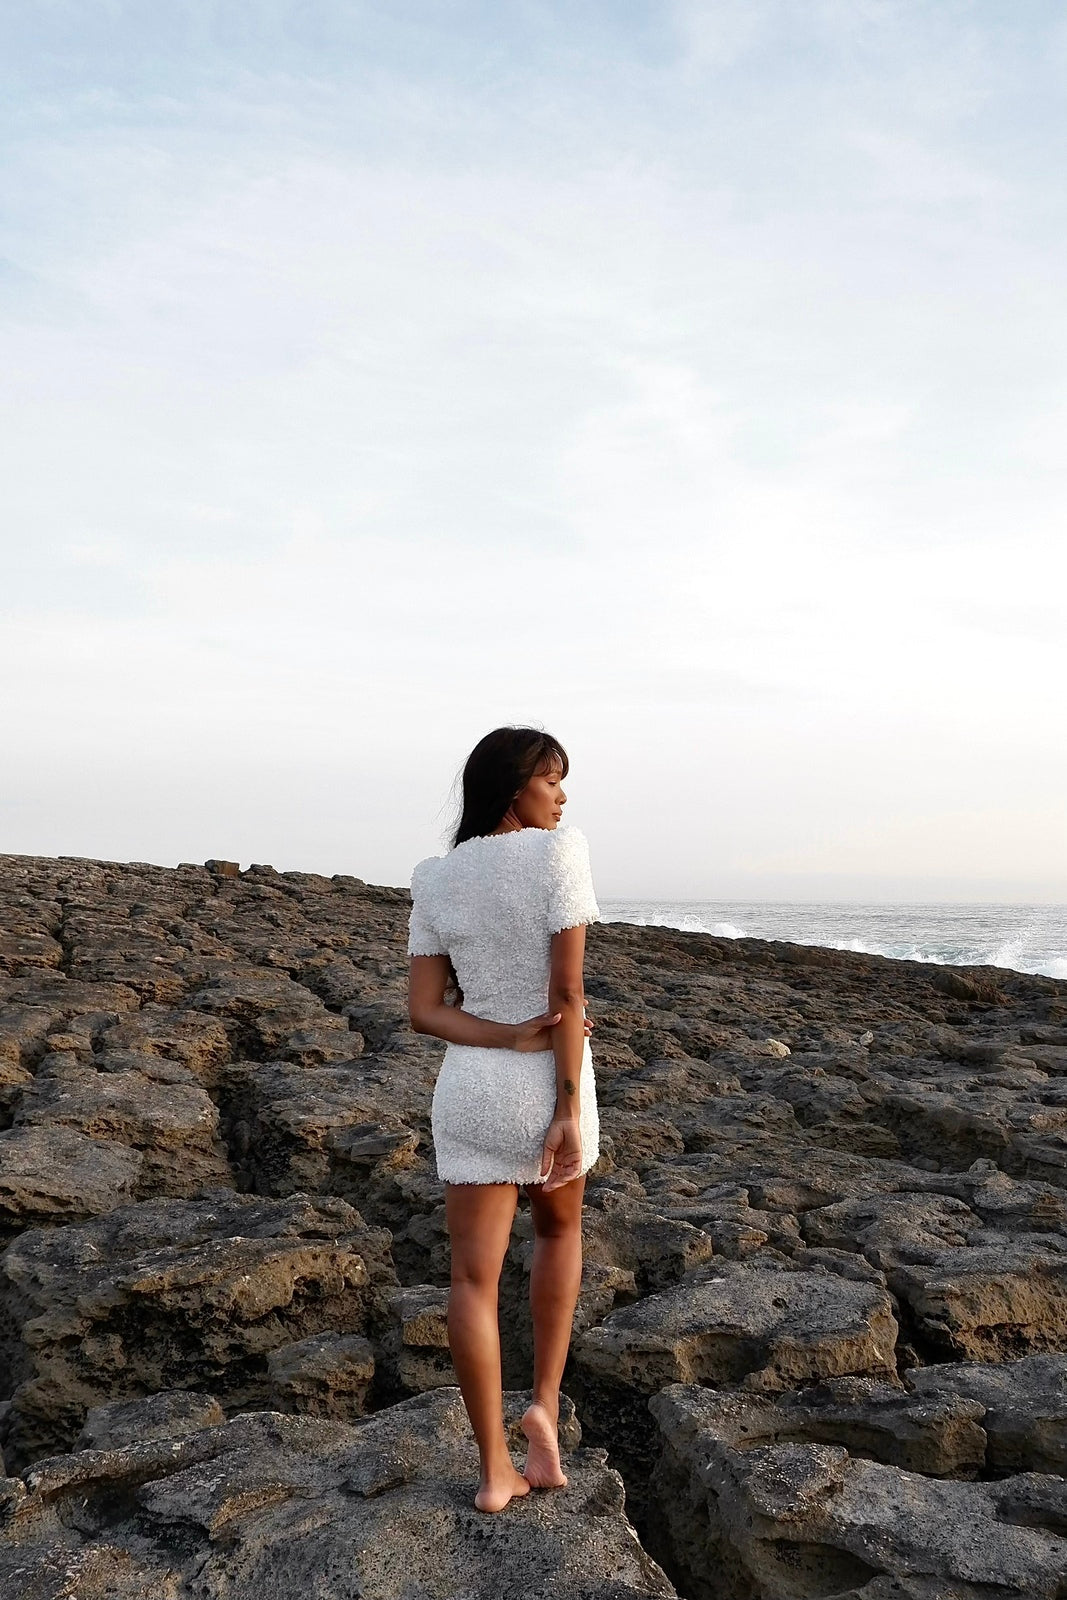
1024,938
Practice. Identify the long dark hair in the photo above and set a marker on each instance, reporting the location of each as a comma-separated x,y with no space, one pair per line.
499,766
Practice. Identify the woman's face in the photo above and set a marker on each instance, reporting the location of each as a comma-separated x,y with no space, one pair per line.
540,804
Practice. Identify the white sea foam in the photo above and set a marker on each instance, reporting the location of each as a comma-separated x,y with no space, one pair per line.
1030,939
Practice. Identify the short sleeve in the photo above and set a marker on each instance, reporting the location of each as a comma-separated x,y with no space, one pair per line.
423,937
571,899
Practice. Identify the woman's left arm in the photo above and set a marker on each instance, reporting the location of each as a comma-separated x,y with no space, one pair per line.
428,1012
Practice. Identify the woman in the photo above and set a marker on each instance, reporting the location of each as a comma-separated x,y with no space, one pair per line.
502,918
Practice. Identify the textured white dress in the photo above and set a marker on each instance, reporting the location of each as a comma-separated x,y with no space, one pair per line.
492,904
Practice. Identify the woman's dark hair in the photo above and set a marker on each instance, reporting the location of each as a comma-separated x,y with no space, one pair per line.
499,766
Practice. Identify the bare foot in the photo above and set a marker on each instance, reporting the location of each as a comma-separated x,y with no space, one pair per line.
542,1469
494,1492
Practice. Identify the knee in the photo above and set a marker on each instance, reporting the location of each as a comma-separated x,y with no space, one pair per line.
478,1277
553,1225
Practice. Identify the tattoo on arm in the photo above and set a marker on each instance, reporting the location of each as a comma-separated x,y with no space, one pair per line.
568,1085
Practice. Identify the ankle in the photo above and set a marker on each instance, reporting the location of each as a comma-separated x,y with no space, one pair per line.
495,1468
548,1402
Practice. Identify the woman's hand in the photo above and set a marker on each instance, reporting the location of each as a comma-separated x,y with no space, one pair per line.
561,1155
536,1032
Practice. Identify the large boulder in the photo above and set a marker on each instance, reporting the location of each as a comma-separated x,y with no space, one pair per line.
161,1112
972,1291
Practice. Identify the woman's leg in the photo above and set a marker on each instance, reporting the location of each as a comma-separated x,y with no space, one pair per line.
555,1277
479,1224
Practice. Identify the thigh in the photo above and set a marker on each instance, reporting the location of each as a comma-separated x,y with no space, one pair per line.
558,1211
479,1217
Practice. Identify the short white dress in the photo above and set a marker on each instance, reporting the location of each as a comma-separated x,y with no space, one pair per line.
492,904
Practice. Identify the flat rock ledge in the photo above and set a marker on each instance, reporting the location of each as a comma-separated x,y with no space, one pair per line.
280,1506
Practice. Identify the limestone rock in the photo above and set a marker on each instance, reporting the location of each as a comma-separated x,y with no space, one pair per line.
280,1506
417,1342
973,1292
336,1129
170,1414
938,1434
1025,1419
328,1375
174,1126
805,1518
907,1158
272,1018
176,1294
766,1329
57,1174
197,1041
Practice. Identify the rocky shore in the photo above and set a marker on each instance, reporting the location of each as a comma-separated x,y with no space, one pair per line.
820,1342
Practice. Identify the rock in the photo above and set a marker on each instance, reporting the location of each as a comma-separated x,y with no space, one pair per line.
761,1328
57,1174
174,1126
334,1129
272,1018
281,1506
198,1042
417,1344
24,1030
627,1234
1025,1402
972,1292
907,1157
224,869
328,1375
936,1434
13,1081
989,1303
173,1294
975,987
170,1414
786,1518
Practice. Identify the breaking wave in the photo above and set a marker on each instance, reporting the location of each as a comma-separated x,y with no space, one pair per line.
1030,939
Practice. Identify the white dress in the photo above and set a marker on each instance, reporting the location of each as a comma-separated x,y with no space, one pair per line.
492,904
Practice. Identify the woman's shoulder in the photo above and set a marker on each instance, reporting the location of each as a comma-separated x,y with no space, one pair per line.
568,843
424,872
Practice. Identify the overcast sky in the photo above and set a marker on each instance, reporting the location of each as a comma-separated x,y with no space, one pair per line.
688,379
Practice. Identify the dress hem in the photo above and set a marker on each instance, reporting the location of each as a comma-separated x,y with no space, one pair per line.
519,1183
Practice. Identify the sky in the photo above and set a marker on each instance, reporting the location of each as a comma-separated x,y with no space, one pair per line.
688,379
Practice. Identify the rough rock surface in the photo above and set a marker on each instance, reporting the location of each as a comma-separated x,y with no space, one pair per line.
176,1294
280,1506
762,1328
795,1517
822,1329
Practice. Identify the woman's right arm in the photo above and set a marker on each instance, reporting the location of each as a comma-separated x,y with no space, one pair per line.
427,982
562,1154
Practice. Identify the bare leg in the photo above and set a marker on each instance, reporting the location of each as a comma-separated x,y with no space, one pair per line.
555,1277
479,1224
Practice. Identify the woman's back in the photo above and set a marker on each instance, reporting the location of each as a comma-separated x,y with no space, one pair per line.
492,904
